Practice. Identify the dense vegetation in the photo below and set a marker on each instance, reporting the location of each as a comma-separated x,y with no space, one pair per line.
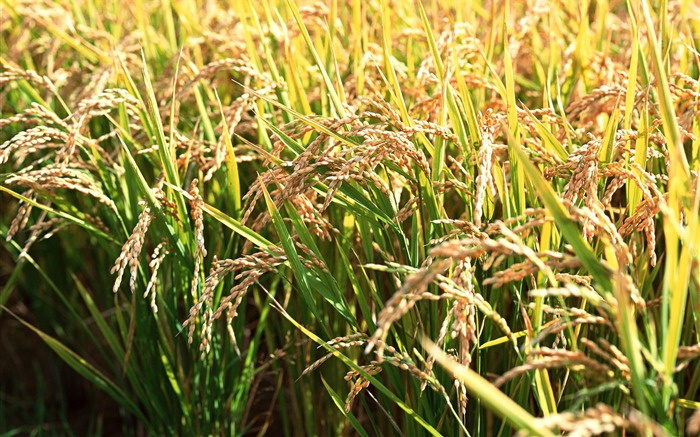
349,217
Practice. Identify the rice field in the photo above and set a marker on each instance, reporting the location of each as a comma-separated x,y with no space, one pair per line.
348,217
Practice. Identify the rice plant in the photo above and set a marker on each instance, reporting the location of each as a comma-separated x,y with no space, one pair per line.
345,217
